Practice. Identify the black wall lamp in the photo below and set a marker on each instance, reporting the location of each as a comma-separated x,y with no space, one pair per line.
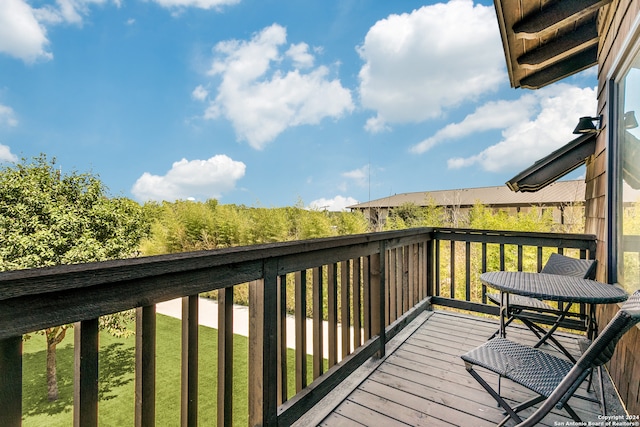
588,125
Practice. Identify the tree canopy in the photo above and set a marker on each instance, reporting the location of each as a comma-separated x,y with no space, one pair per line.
50,218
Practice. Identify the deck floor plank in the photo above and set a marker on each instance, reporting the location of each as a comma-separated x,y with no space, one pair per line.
424,382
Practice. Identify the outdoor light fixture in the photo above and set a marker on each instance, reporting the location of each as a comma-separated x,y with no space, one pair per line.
587,125
630,121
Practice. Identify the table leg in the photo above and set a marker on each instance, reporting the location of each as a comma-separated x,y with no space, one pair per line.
504,313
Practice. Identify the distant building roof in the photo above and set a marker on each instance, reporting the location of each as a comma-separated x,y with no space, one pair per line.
555,194
558,193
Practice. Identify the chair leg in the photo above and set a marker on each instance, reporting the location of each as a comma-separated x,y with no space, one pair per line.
511,413
572,413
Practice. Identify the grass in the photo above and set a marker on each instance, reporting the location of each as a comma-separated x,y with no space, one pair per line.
116,380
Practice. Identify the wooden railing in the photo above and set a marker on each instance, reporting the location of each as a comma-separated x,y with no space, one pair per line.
461,255
365,288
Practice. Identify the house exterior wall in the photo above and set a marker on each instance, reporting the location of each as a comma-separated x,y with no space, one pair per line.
616,22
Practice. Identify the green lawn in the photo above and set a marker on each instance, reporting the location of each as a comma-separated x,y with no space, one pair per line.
117,361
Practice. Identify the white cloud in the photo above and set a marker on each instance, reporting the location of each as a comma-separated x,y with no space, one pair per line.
376,125
418,64
300,55
21,35
262,98
492,115
68,11
338,203
202,179
201,4
548,126
6,155
360,176
200,93
7,116
23,29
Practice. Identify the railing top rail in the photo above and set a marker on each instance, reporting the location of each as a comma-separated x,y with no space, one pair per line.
65,277
549,235
525,238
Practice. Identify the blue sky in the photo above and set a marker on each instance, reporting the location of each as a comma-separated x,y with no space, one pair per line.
269,102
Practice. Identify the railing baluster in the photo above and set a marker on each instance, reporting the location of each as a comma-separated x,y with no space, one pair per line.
386,285
282,338
436,266
452,270
11,382
225,357
467,271
520,256
484,270
431,268
382,299
366,297
393,286
405,279
357,313
318,339
189,362
376,292
332,309
301,329
85,390
539,259
145,383
256,348
416,268
345,308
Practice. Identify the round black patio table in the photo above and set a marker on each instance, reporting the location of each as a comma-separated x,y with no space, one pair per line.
553,287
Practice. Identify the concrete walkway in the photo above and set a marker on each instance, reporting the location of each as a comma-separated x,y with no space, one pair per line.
208,316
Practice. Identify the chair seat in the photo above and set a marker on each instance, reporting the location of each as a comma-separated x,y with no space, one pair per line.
530,367
522,302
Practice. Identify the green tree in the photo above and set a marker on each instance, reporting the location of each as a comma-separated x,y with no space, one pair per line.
47,218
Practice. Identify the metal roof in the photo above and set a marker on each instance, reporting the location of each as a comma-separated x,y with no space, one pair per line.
558,193
555,165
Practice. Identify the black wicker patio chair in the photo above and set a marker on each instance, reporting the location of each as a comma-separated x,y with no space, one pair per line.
526,309
555,380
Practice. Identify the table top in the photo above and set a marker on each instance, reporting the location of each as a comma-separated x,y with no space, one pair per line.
554,287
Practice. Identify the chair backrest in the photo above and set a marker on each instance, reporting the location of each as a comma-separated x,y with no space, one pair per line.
567,266
598,353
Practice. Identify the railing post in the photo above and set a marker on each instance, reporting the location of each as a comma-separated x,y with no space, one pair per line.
189,377
145,366
11,382
263,348
85,390
270,341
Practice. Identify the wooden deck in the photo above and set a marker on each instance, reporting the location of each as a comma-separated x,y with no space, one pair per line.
422,381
